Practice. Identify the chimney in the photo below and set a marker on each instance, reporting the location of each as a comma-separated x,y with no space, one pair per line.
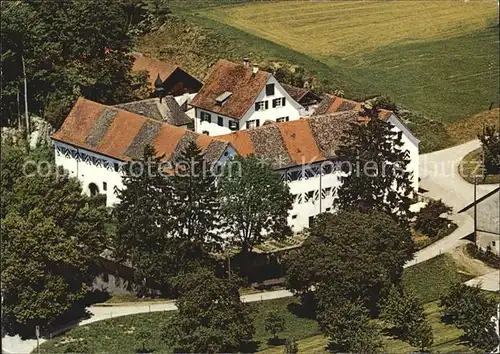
245,62
255,69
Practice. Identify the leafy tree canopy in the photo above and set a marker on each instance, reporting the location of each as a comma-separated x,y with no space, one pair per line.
69,48
195,203
349,328
211,317
254,202
161,228
51,237
471,310
490,140
350,255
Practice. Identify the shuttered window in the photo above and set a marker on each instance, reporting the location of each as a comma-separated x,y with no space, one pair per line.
253,124
220,121
206,117
279,102
261,105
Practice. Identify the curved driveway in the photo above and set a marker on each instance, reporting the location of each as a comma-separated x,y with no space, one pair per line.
440,178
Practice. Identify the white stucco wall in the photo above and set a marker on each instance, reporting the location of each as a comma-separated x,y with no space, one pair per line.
213,128
291,109
308,181
411,144
90,167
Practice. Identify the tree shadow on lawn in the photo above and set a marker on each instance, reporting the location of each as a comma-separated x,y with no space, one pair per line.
276,341
250,347
303,311
144,351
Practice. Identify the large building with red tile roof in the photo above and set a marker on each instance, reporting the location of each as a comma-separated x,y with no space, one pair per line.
172,78
96,140
236,97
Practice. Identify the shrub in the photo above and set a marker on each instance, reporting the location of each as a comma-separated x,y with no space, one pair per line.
490,140
274,323
486,256
429,220
471,310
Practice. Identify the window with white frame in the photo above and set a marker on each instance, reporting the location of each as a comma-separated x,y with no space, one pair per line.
205,117
282,119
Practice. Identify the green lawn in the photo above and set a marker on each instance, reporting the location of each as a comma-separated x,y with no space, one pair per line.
118,335
471,166
446,338
430,279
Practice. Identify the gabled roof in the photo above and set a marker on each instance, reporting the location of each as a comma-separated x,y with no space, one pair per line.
167,111
294,143
331,104
122,135
298,93
227,76
153,66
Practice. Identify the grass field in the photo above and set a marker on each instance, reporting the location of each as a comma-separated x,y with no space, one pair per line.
436,57
471,167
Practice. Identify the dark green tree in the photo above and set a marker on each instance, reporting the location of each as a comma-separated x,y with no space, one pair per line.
51,237
144,221
63,49
195,203
490,141
354,254
254,202
471,310
429,220
211,317
405,312
274,323
376,165
420,335
348,327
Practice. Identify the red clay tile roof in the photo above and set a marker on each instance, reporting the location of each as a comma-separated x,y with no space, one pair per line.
122,135
153,67
294,143
226,76
331,104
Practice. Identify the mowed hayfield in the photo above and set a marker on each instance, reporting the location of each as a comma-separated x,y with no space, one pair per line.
437,57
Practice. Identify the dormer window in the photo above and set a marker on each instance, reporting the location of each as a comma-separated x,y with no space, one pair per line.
223,98
270,90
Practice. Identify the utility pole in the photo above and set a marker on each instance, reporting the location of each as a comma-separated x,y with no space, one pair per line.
320,187
475,211
26,99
